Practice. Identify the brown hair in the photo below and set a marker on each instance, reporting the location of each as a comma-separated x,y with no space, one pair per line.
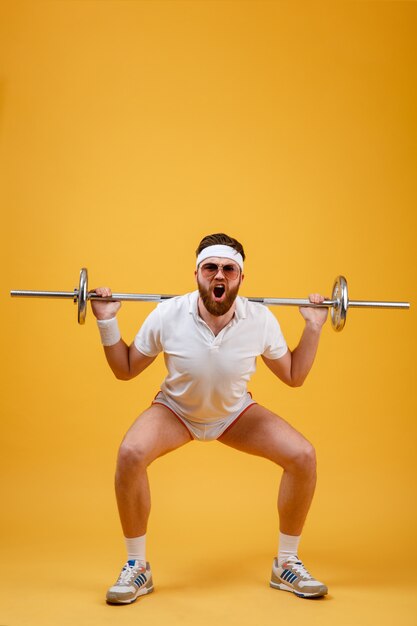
220,239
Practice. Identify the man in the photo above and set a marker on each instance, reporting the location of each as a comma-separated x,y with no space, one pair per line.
211,339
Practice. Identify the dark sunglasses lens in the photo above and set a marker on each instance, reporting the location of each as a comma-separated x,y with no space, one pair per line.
230,271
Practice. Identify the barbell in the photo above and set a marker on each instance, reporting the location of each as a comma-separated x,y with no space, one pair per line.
339,303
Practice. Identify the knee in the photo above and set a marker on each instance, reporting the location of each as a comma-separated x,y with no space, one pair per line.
131,457
303,459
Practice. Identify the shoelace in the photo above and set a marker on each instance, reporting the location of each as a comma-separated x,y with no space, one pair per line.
128,573
300,569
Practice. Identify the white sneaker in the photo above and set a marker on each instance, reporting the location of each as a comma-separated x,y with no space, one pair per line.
135,580
293,576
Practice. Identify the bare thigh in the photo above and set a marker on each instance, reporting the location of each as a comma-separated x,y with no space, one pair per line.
154,433
263,433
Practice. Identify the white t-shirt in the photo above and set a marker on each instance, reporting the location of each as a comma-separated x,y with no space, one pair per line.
207,374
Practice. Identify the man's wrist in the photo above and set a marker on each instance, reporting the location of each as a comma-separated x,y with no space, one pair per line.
109,331
315,327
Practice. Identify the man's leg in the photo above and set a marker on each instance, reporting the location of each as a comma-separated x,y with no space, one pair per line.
262,433
156,432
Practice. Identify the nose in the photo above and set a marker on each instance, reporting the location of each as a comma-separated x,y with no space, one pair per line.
220,271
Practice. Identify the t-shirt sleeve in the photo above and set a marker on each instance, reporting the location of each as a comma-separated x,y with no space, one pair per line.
148,339
275,345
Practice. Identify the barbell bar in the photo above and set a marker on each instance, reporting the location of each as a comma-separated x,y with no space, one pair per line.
338,304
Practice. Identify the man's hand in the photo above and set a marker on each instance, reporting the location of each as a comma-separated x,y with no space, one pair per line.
315,317
104,310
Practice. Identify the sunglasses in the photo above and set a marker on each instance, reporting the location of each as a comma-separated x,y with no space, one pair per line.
229,271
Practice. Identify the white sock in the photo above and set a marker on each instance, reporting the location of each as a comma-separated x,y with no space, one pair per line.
288,546
135,547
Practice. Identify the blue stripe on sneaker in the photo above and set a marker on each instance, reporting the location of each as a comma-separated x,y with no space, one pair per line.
293,578
140,580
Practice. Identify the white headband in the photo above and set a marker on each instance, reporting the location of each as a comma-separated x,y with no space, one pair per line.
226,252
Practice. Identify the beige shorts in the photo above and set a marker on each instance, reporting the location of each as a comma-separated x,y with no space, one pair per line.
211,430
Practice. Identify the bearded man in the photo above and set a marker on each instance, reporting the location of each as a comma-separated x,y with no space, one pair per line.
211,339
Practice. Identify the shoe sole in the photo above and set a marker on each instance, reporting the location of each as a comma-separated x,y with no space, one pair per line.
141,592
299,594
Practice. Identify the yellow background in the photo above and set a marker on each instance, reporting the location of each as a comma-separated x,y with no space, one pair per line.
129,130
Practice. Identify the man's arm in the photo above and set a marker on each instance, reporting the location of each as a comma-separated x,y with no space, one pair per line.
125,362
294,367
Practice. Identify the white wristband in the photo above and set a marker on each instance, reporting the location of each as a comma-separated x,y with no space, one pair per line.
109,331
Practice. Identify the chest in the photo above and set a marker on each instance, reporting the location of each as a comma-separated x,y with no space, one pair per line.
191,346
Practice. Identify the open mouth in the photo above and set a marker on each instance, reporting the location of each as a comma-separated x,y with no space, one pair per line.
219,291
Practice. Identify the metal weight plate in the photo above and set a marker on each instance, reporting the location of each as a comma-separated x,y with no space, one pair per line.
82,295
338,312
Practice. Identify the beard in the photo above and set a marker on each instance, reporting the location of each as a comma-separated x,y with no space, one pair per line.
217,308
